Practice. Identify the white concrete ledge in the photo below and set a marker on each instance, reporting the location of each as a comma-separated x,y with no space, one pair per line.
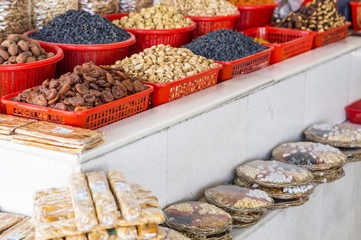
154,120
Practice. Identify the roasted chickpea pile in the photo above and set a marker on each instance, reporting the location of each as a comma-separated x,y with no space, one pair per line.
87,87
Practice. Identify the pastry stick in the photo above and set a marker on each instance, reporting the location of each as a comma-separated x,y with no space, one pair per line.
127,233
105,205
125,197
82,202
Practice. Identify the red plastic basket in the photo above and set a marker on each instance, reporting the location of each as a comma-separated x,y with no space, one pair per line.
147,38
101,54
254,16
14,78
354,112
92,119
166,92
205,25
244,65
323,38
356,15
290,42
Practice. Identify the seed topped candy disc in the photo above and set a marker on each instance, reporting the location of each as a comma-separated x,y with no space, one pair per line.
280,193
313,156
238,199
337,135
198,218
274,173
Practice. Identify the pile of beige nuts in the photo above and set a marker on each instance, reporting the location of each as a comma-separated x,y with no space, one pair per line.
163,64
157,17
202,8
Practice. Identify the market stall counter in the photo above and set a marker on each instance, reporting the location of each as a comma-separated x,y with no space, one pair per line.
179,149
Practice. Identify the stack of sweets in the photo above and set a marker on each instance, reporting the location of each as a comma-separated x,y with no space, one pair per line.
286,183
8,124
198,220
171,234
324,161
57,137
8,220
246,206
95,206
346,137
22,230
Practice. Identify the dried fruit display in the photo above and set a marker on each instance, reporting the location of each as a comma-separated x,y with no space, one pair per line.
86,87
313,156
163,64
274,173
157,17
225,45
336,135
17,48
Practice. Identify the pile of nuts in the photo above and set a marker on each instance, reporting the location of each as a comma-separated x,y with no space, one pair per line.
43,11
202,8
18,49
87,87
319,15
15,17
163,64
101,7
157,17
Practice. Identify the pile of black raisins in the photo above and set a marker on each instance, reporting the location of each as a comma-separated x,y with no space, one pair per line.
225,45
80,27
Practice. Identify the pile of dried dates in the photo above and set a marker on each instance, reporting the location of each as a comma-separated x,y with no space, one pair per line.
17,48
86,87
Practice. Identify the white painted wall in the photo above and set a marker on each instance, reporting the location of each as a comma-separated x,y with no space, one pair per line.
180,149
